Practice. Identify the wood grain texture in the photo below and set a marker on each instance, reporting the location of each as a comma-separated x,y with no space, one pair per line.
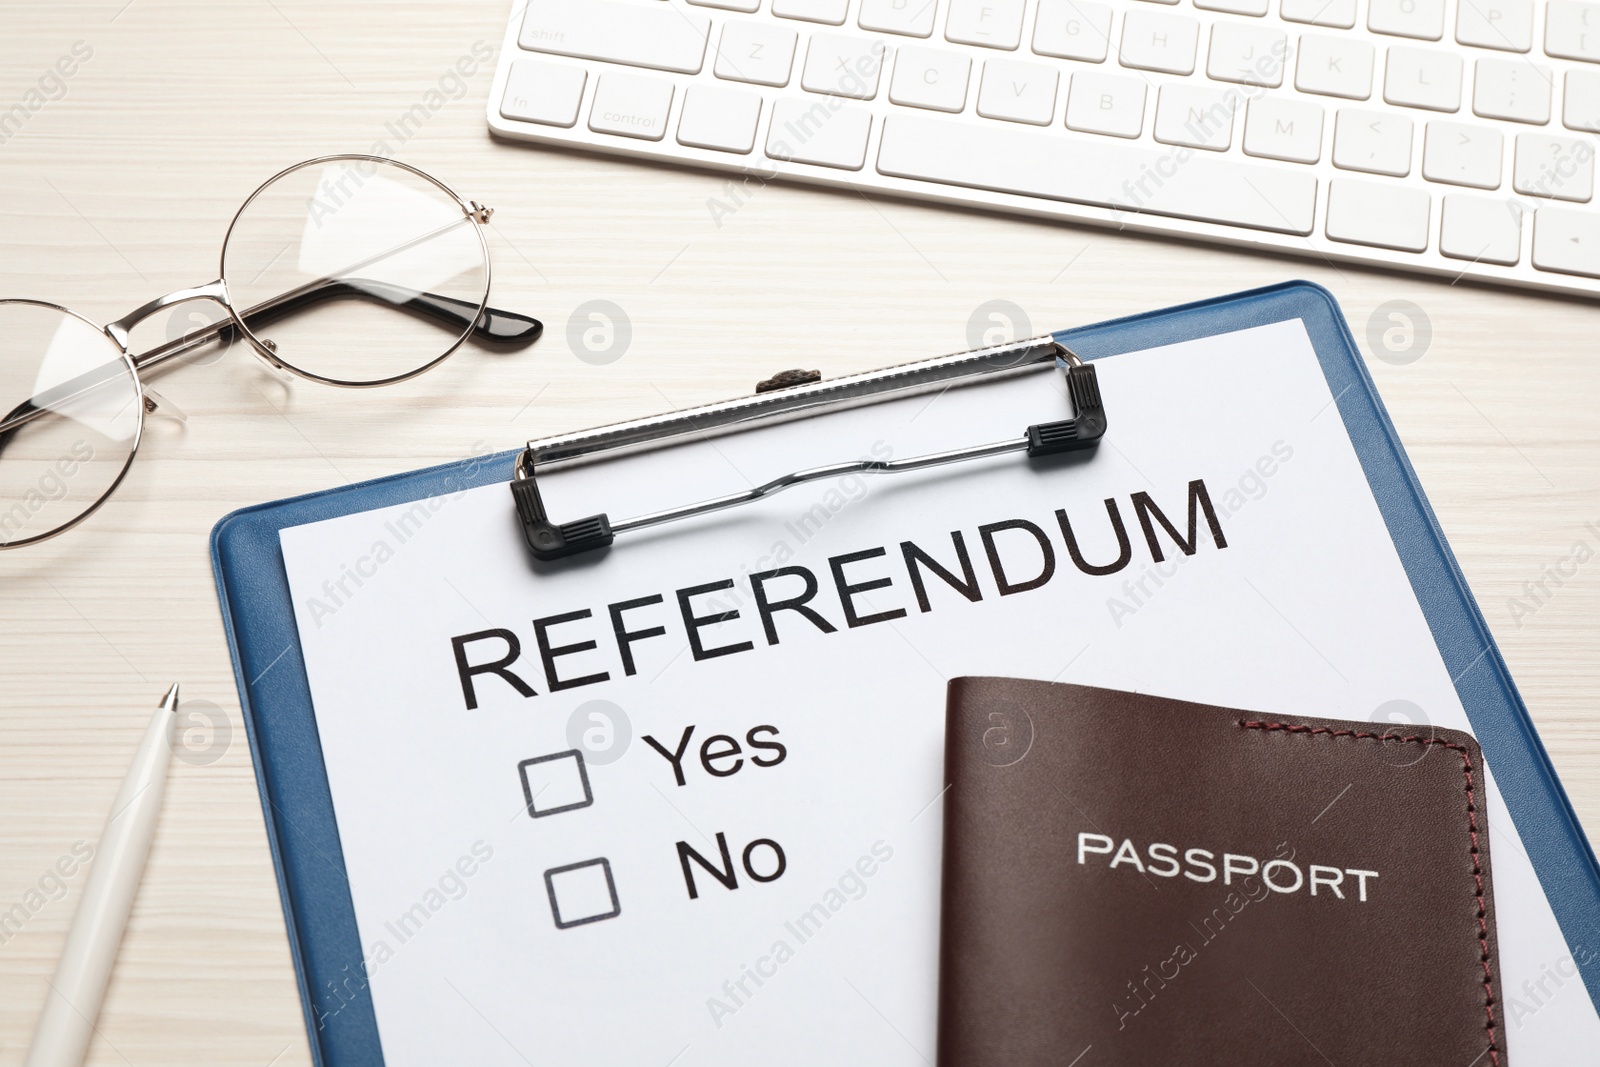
120,190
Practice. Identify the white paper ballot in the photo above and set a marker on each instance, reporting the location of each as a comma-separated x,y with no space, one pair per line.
641,807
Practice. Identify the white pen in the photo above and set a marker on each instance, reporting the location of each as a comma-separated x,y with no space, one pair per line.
73,999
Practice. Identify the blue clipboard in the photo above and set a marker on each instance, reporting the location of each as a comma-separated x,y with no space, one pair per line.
275,695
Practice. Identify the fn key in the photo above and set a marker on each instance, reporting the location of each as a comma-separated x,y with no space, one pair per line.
547,93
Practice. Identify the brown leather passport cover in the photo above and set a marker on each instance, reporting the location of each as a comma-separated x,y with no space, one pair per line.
1135,880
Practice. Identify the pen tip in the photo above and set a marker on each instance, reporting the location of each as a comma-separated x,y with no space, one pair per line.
170,701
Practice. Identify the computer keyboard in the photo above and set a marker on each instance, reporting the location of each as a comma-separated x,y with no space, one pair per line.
1449,137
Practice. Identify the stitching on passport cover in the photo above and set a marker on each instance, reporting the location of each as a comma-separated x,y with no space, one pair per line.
1472,832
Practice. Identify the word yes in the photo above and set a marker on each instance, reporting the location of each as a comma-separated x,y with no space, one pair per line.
718,749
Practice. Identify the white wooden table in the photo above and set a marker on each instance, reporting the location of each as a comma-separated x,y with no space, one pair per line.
119,189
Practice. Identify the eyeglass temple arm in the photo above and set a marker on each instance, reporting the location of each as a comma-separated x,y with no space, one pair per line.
494,326
13,419
217,291
41,403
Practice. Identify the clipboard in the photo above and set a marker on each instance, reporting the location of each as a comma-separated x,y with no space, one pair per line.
297,802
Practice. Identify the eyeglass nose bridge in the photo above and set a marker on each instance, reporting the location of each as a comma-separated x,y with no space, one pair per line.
217,291
120,330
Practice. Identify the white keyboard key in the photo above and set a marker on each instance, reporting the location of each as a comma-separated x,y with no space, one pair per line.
1246,54
1235,7
1558,167
755,52
1418,77
1567,241
1580,108
1196,115
1459,154
827,12
1072,29
1105,103
543,92
1043,163
1503,24
1422,19
1572,31
1514,89
749,7
640,35
1481,230
911,18
1157,40
1283,128
630,104
843,66
1377,142
824,11
1020,92
1337,13
809,130
1380,214
991,23
720,118
930,77
1334,66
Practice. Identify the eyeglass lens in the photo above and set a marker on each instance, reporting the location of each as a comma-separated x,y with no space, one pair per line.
356,249
70,417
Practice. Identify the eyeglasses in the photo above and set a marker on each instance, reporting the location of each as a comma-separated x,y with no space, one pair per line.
368,271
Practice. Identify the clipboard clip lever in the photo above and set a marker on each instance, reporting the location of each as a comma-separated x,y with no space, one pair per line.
550,540
1088,422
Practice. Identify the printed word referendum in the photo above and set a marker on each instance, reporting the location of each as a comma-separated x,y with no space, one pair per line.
1022,556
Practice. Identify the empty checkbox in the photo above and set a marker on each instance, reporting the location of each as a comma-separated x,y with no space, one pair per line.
555,783
582,893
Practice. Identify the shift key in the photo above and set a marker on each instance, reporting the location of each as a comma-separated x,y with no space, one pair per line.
656,35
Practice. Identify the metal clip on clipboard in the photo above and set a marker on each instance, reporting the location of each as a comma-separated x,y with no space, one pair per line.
793,395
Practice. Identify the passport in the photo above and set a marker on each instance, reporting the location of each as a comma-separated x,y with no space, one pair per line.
1129,879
